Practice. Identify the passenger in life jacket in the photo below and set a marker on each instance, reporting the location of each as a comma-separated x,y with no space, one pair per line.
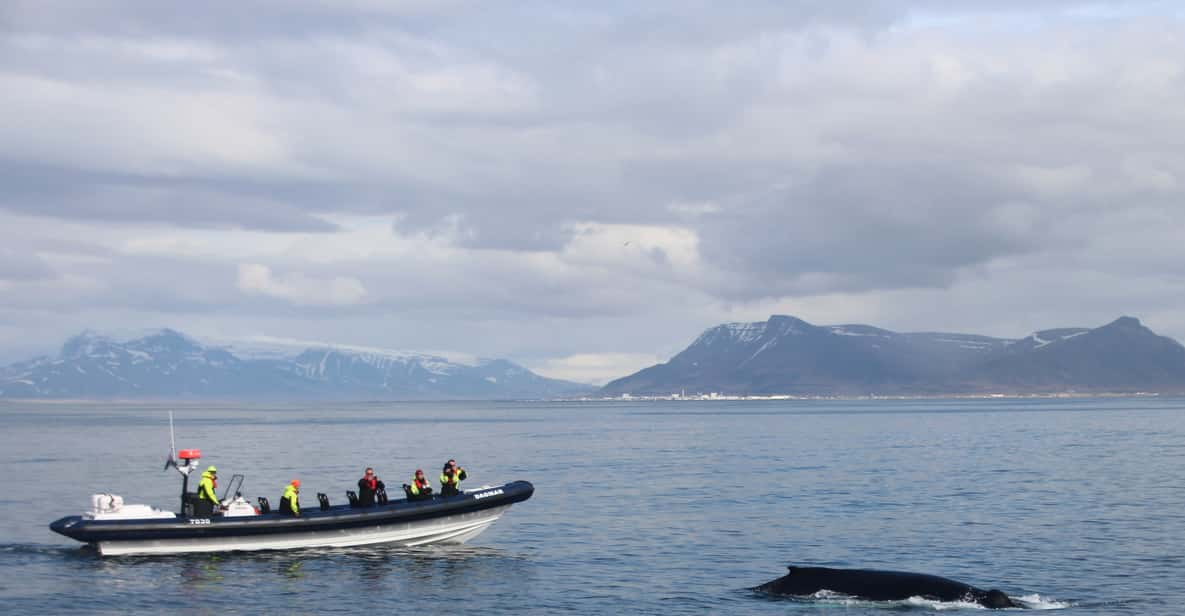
368,486
450,479
420,487
290,500
207,500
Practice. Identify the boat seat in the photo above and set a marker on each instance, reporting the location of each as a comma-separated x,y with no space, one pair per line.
380,495
188,501
264,506
202,508
324,500
352,496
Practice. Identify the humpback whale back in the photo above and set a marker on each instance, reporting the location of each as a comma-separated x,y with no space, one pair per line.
879,585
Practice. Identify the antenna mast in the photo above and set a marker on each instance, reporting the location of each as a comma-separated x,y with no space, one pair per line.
188,462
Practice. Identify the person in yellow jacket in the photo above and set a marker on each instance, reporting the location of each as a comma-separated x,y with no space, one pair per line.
420,487
207,500
290,500
450,479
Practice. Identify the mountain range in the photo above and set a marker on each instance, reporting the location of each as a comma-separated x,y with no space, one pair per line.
786,355
782,355
168,364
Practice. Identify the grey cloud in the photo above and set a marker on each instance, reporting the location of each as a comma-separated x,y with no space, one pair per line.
863,148
857,228
617,20
197,202
494,285
243,20
158,285
19,267
649,78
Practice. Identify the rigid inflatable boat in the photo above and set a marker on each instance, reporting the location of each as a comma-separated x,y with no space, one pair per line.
115,528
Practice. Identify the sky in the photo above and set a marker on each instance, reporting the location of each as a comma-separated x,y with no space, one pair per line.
584,187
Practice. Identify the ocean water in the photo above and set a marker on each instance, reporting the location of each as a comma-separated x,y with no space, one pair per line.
643,507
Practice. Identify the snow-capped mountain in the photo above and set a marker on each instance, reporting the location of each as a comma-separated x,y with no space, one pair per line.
167,364
1123,355
790,356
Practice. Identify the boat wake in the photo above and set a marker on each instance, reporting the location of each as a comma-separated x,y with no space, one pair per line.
828,598
47,550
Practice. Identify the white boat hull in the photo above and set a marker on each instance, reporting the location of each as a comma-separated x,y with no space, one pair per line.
454,529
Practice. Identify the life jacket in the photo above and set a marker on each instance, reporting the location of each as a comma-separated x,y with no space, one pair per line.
417,486
206,487
371,484
290,501
449,482
453,479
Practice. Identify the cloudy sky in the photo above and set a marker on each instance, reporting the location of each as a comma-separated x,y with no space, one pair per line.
584,187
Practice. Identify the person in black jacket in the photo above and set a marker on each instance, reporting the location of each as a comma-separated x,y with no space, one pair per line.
368,486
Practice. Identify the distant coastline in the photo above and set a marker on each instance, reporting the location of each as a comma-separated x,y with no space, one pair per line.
166,365
183,402
786,357
783,358
952,396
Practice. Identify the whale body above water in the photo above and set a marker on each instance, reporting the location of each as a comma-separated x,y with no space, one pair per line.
876,585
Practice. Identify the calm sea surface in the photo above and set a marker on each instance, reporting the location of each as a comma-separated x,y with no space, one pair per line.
655,507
